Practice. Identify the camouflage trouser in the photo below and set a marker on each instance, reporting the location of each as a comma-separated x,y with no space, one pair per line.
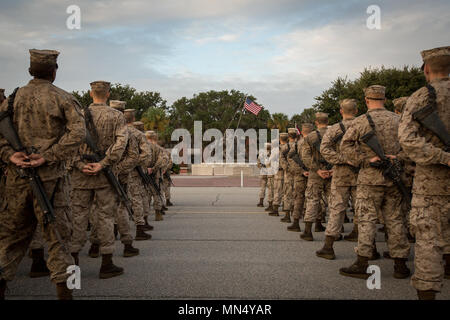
121,219
105,203
166,187
406,208
19,216
316,188
153,194
338,204
430,223
298,193
386,201
278,181
266,182
38,241
287,190
139,198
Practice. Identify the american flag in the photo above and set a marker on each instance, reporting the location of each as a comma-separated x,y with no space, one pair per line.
252,107
298,130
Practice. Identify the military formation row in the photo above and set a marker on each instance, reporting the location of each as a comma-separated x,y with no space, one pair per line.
68,169
391,168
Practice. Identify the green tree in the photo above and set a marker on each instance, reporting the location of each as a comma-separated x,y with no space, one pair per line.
278,121
307,116
398,83
156,119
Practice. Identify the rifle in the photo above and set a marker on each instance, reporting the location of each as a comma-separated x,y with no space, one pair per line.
429,118
149,180
8,131
169,178
91,141
296,158
316,145
391,169
339,137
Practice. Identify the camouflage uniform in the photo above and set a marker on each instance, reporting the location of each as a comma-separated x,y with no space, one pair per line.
159,163
136,188
343,182
95,190
430,213
299,180
287,177
166,182
266,181
49,119
375,193
316,185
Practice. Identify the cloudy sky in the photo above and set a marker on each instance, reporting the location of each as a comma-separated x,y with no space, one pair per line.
285,52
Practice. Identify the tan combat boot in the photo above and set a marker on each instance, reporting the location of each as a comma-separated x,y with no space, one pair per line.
129,250
2,289
158,216
270,207
168,203
108,269
307,235
63,292
401,271
39,266
274,212
319,227
75,258
295,226
94,250
287,217
358,269
447,266
261,202
141,235
327,251
426,295
147,227
353,235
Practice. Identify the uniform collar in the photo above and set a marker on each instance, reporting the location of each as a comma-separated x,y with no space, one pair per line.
39,81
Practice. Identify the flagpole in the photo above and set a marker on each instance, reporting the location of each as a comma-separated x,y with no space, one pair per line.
242,112
229,125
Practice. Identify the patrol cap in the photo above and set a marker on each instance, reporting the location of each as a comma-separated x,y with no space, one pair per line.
151,134
307,126
117,104
292,130
267,144
44,57
139,125
100,85
321,116
129,115
375,92
348,105
436,55
399,104
284,135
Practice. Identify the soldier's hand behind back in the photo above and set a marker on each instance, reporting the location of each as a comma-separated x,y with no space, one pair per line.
20,159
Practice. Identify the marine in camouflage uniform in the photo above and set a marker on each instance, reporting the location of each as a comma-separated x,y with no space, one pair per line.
128,163
375,193
284,150
430,213
265,179
319,178
157,166
91,188
48,119
343,182
299,175
278,180
136,188
166,181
